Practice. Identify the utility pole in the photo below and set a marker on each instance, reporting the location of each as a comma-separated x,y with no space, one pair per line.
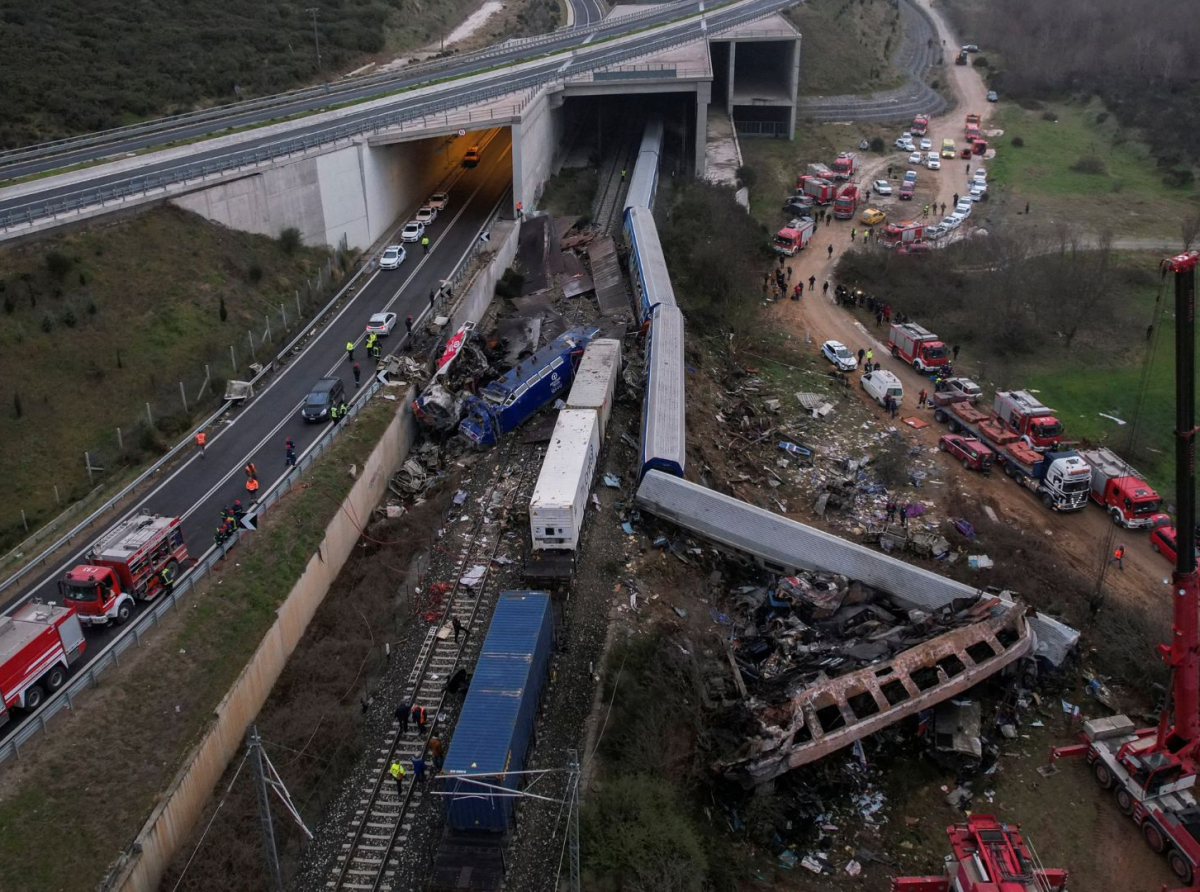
264,809
312,10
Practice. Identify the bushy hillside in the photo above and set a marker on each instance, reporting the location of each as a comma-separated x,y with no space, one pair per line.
68,66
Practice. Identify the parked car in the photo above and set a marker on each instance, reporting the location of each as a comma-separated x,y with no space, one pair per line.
992,97
975,193
882,187
951,222
933,162
392,257
964,207
910,176
871,216
799,206
412,231
471,158
426,215
964,387
1164,539
914,158
948,149
326,394
903,144
936,232
915,248
974,454
381,324
926,145
970,48
439,200
980,175
842,359
906,190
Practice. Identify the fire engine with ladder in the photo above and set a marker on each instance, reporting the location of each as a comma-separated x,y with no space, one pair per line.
124,566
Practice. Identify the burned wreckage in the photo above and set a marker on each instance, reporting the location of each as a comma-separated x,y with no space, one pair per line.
843,641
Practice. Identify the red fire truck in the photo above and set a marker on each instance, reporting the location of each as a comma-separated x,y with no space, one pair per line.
917,346
846,202
38,643
124,566
1021,412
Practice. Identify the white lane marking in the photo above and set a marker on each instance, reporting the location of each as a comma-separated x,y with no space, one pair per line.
291,364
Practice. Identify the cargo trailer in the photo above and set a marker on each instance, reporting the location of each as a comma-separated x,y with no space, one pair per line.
559,502
494,729
596,380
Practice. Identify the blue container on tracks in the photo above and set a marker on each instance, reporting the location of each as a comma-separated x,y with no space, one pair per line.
496,724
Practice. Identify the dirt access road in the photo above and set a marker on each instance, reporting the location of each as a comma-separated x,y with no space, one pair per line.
1083,538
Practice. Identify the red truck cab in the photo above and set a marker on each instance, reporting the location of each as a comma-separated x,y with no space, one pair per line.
920,125
917,346
845,165
974,454
124,566
846,202
1024,414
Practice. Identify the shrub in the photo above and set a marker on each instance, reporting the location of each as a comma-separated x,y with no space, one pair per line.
91,307
747,175
67,317
636,833
1017,142
878,145
221,311
255,273
58,264
17,410
1089,164
1102,117
981,62
290,240
9,306
1050,115
1179,178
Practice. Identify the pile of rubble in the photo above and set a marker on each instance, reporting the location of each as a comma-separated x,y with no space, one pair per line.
825,661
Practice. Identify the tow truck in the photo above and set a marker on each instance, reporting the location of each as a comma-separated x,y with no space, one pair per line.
1062,480
987,855
1152,771
123,567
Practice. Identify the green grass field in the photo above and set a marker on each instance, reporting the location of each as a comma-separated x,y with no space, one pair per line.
97,323
1126,195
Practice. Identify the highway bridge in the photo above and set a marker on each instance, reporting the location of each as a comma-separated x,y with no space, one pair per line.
355,125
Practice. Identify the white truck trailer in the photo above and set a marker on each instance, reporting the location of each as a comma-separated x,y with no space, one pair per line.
559,501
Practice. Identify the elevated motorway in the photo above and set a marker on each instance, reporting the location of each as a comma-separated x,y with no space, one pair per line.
198,488
490,78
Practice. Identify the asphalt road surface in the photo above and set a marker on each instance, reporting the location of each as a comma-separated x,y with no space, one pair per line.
199,488
588,13
52,190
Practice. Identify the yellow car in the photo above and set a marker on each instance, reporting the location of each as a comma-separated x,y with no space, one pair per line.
948,150
871,216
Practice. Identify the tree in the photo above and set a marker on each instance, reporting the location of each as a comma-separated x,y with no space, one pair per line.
221,311
290,240
1079,273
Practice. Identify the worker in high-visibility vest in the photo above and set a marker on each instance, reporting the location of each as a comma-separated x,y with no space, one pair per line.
350,350
425,243
397,772
201,439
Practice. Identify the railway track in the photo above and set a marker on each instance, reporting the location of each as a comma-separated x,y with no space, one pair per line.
379,828
606,211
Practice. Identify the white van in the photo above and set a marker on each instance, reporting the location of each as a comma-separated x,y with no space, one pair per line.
881,384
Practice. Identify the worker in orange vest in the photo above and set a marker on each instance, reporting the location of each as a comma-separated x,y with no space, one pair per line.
201,439
1118,557
418,717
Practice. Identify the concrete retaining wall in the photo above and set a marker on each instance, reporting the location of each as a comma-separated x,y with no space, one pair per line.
535,140
173,820
478,296
358,191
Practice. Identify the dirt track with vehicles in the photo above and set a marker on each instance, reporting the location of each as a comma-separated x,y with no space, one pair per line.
1084,539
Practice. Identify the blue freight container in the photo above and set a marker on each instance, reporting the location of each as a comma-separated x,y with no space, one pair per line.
494,729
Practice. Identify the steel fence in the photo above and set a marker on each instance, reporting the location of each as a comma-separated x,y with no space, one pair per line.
111,655
331,91
238,161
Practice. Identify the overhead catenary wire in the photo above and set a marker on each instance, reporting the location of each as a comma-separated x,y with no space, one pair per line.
208,826
1096,599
